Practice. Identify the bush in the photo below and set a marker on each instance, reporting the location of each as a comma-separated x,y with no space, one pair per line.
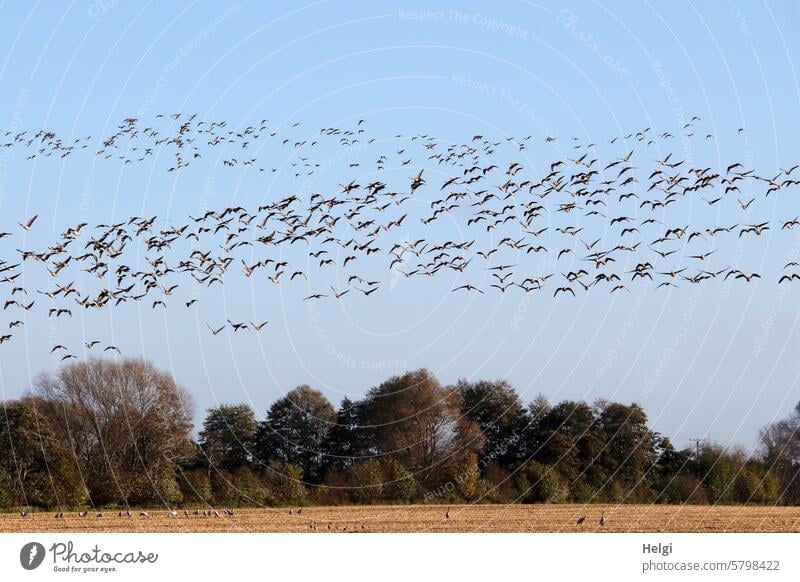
250,489
195,486
400,483
683,489
287,483
223,491
365,481
5,489
502,488
747,486
546,485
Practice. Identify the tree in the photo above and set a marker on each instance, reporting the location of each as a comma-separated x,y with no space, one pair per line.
419,423
497,409
629,451
780,443
296,430
673,478
228,436
127,422
567,439
348,441
35,466
718,471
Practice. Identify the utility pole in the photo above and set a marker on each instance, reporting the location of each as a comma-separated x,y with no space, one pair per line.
697,455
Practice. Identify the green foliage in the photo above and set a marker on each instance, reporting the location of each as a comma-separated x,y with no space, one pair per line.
365,482
350,438
399,483
499,412
295,431
287,481
718,471
545,484
39,470
125,428
682,488
5,489
228,436
250,488
195,486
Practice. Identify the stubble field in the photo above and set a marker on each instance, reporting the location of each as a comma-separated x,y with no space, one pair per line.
428,518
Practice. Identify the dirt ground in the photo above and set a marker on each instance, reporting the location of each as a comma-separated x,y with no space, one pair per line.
428,518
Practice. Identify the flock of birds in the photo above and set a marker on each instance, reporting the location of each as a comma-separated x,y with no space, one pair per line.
128,513
480,213
229,512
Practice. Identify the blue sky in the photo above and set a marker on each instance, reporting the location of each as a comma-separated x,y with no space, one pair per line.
714,361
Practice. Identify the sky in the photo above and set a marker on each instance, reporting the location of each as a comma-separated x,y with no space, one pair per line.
716,362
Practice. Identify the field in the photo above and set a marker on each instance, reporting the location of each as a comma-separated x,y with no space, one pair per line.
430,518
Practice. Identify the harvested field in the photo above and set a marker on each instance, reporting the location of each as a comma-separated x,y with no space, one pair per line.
430,518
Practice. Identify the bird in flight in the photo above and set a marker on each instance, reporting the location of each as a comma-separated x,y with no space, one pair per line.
27,225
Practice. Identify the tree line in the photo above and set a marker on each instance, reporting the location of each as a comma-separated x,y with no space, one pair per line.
120,433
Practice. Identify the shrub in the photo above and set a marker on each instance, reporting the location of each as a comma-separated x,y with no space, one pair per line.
365,481
400,483
195,486
546,485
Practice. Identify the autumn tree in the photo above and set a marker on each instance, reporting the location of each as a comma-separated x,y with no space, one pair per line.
36,468
780,444
418,422
127,422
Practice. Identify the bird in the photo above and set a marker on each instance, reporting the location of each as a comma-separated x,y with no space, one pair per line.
469,288
215,331
29,223
603,519
581,519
